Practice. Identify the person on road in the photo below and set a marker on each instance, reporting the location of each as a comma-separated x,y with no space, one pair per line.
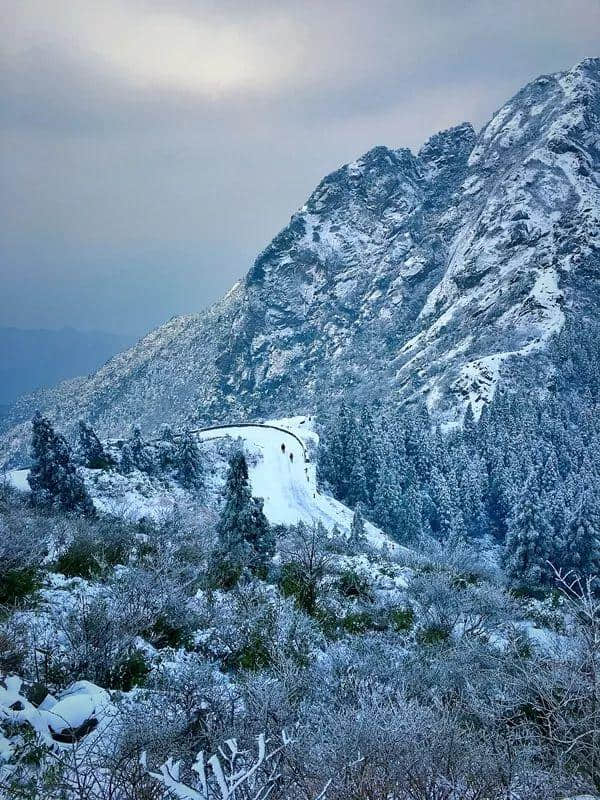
283,447
292,457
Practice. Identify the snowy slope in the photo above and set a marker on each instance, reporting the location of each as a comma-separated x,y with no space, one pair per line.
287,484
404,276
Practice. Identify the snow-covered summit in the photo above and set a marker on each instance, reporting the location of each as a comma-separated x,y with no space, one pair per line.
432,276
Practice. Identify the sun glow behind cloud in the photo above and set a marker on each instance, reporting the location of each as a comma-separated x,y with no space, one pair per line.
155,48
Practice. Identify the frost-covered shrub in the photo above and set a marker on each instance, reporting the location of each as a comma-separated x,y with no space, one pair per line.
13,645
23,547
98,637
17,584
251,626
131,671
81,558
460,608
307,560
96,546
351,584
356,622
402,619
433,634
294,582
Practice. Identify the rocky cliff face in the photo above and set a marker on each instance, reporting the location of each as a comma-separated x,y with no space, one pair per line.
434,275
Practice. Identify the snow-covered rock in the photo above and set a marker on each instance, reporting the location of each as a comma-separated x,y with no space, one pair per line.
71,717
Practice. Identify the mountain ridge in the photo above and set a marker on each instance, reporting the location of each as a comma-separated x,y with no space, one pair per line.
403,278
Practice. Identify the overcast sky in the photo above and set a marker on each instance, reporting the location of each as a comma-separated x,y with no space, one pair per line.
151,148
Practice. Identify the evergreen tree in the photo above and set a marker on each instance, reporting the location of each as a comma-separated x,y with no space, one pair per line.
469,424
388,505
259,536
357,481
410,522
447,522
580,549
53,478
188,462
126,462
141,454
529,540
357,528
90,448
166,449
244,535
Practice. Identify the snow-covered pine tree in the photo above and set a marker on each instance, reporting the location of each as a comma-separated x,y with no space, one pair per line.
42,476
126,462
447,521
388,504
530,537
166,449
259,536
357,480
410,521
141,453
244,535
90,449
580,549
469,424
188,462
53,478
357,528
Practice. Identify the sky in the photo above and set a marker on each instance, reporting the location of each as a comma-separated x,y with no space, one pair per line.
150,149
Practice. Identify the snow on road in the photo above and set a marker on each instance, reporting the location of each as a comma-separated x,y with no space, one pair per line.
285,480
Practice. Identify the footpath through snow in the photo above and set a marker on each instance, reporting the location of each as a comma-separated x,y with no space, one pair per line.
281,475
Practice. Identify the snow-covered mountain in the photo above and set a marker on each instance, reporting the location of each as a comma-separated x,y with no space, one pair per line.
432,275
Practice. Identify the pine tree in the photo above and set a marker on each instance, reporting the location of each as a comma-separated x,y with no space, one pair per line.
258,535
42,476
469,425
357,528
529,540
447,521
245,537
388,504
357,481
53,478
141,454
166,449
126,462
90,449
581,546
410,522
188,462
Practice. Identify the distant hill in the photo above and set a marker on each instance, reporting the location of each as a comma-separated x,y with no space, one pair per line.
30,359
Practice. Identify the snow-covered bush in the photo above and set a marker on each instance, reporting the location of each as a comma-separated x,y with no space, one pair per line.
23,547
306,561
252,627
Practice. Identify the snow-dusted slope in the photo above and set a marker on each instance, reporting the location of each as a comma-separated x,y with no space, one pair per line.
284,477
403,276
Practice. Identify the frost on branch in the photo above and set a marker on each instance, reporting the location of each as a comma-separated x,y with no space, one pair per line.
233,774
